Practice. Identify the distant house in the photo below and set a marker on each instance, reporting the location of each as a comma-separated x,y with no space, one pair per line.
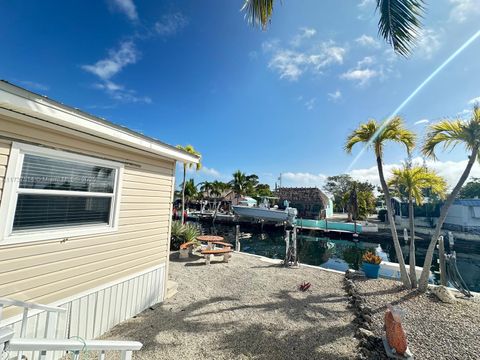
464,215
85,214
311,203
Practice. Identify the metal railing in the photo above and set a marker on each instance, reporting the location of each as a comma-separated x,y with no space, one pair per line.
9,343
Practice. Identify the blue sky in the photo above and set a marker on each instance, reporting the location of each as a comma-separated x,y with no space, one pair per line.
266,102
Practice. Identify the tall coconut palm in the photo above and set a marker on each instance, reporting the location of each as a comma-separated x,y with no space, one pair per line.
240,183
206,188
375,135
450,133
399,23
411,182
191,150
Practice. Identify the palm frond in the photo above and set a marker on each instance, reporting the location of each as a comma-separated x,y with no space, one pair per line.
400,22
191,150
449,133
258,12
362,134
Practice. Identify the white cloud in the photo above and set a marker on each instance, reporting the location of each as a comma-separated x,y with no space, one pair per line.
367,41
335,96
474,101
303,179
170,24
115,62
127,7
291,64
365,3
428,43
310,104
463,9
449,170
367,60
107,68
205,172
420,122
361,76
306,33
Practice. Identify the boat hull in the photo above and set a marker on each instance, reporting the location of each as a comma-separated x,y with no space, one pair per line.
261,213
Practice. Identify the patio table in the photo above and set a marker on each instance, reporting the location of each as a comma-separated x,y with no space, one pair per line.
210,240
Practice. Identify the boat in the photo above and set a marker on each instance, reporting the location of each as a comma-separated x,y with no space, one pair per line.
265,213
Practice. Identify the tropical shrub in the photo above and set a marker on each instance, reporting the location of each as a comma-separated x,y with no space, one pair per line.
370,258
190,232
176,235
182,233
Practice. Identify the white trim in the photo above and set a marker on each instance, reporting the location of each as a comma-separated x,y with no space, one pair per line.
24,102
11,191
61,302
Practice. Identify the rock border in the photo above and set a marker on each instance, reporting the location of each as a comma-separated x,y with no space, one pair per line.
370,346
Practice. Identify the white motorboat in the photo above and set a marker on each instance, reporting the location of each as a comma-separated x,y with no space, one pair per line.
264,212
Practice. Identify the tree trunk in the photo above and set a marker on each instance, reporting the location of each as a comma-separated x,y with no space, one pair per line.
411,216
398,250
183,192
423,284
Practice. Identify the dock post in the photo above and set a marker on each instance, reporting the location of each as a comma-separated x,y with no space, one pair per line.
294,240
237,238
287,247
450,240
441,259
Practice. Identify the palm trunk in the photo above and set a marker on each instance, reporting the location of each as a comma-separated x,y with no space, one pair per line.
183,192
413,273
398,250
423,284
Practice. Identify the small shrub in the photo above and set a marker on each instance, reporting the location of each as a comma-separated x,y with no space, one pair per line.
176,235
370,258
190,232
382,215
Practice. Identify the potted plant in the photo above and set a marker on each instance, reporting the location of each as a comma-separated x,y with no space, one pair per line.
371,264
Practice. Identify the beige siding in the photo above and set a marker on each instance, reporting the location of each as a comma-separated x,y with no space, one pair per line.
48,271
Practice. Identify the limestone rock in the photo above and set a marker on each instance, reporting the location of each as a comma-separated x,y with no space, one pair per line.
443,294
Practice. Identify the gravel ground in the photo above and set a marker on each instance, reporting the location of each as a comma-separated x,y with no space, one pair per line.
246,309
434,330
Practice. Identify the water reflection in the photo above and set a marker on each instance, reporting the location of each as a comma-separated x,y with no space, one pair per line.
344,254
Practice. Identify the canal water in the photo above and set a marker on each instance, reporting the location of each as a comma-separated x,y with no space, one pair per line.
339,254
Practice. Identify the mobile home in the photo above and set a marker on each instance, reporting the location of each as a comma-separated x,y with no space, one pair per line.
85,211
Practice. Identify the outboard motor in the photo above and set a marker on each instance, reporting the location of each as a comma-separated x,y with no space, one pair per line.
292,214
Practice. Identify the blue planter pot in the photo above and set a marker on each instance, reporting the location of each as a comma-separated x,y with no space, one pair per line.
371,270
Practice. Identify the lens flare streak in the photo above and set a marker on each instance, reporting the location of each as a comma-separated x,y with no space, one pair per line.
412,95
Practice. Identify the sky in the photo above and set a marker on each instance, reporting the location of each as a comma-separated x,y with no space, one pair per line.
265,102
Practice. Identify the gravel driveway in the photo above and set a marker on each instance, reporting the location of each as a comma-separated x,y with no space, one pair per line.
246,309
434,330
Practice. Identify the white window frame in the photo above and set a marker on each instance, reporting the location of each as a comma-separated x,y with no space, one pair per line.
11,191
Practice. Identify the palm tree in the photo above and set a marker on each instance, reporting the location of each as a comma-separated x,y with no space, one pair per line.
206,187
450,133
412,182
240,183
191,150
375,135
399,22
191,191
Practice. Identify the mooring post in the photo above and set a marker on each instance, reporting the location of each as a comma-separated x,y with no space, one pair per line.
441,259
237,238
450,240
294,240
287,247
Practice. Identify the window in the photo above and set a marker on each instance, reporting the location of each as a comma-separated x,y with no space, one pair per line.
51,194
